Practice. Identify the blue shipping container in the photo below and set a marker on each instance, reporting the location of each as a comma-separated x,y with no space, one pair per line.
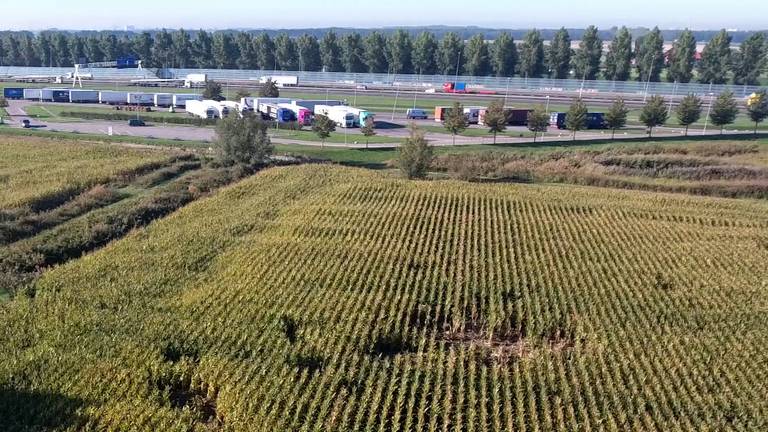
460,87
13,93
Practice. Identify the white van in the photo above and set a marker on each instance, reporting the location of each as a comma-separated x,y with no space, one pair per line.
416,114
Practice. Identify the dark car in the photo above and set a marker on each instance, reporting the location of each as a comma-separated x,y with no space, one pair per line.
136,122
25,124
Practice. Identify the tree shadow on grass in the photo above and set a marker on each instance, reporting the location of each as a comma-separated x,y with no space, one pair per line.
25,410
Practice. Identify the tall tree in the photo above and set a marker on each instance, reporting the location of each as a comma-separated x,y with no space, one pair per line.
309,53
29,51
682,58
450,54
182,49
43,50
654,113
496,118
162,50
76,49
286,53
616,117
477,57
455,120
246,54
61,55
504,55
330,52
375,46
142,47
689,111
757,108
415,155
724,110
3,52
353,53
649,56
224,51
202,48
243,141
618,61
399,48
716,59
13,55
576,119
265,52
559,55
538,121
425,54
586,62
109,47
532,55
93,50
750,60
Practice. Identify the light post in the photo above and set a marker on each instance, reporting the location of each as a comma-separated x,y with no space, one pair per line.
506,94
709,111
547,108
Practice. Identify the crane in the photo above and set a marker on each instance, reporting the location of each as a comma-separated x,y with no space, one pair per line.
120,63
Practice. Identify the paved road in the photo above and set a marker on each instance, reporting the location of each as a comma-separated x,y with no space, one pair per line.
355,139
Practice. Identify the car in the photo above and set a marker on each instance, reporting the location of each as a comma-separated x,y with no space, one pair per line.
25,124
416,114
136,122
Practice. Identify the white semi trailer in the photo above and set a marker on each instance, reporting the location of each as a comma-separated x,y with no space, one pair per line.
180,100
341,115
146,99
84,96
164,100
205,109
252,103
113,97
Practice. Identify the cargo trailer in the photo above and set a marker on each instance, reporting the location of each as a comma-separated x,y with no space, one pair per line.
303,115
281,81
180,100
515,117
33,94
84,96
339,114
13,93
594,120
252,103
54,95
144,99
473,114
441,112
362,117
164,100
311,104
113,97
273,111
195,80
205,109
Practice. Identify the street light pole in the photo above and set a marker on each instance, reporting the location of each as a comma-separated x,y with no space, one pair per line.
709,111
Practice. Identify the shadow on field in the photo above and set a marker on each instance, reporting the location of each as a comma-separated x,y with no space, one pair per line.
385,125
22,410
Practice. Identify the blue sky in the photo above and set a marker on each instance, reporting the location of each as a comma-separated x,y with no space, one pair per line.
100,14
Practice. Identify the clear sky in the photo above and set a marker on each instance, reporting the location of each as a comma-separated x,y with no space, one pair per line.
102,14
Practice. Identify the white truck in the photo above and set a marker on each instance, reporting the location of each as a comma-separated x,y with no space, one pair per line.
113,97
180,100
281,80
84,96
341,115
311,104
146,99
195,80
205,109
164,100
231,107
362,117
473,114
252,103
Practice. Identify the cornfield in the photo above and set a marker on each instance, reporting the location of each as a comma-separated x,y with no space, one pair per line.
34,169
321,298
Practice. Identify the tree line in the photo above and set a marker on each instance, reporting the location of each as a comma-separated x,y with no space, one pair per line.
627,58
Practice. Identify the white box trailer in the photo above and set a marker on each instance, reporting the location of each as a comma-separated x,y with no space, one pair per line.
113,97
473,114
163,100
180,100
146,99
311,104
84,96
231,107
32,94
281,80
205,109
195,80
252,103
340,115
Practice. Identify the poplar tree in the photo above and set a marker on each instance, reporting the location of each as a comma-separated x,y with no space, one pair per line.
588,56
683,57
504,55
477,57
532,55
559,55
716,59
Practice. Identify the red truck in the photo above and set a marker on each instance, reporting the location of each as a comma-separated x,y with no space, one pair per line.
462,88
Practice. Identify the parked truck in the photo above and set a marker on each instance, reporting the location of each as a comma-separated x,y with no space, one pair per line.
303,115
311,104
281,80
144,99
84,96
473,114
113,97
460,87
594,120
32,94
196,80
252,103
180,100
233,107
362,117
338,114
54,95
515,117
163,100
13,93
205,109
274,111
